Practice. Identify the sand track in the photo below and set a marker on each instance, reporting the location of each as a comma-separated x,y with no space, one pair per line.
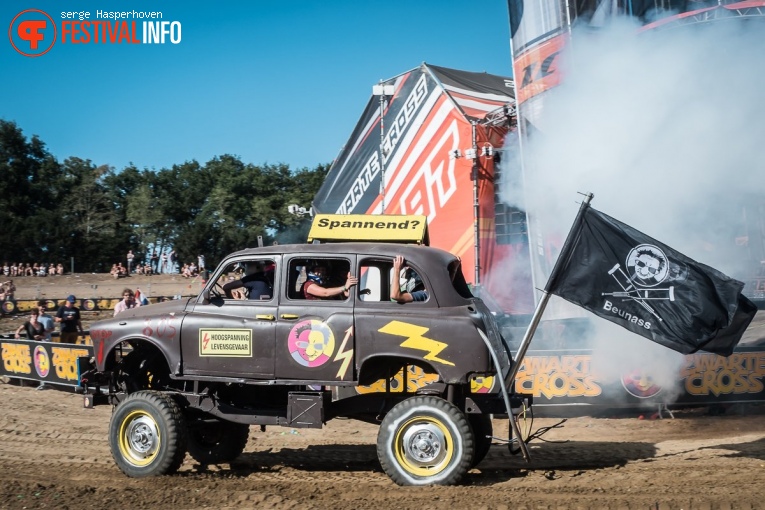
55,454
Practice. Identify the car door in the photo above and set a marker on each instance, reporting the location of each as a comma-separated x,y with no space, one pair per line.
315,338
229,337
418,331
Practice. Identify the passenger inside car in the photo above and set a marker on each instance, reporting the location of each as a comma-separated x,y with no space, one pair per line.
317,284
406,284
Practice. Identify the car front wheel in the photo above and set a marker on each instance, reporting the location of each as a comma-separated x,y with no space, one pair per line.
147,435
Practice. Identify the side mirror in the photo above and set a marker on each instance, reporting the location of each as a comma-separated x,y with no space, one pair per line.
206,296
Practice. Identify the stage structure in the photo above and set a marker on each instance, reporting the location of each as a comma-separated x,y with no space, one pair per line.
429,143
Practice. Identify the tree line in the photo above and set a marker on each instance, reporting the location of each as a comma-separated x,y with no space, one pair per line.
53,212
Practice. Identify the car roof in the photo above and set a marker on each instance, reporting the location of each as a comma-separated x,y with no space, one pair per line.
433,264
417,254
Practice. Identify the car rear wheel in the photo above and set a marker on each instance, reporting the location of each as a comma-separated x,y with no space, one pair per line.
213,442
425,440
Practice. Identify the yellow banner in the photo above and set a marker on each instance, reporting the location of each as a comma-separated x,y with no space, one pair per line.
365,227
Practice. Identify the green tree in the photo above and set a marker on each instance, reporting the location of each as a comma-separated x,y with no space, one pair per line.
52,211
27,194
89,219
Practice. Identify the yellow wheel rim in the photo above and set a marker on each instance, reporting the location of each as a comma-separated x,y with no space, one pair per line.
423,446
139,438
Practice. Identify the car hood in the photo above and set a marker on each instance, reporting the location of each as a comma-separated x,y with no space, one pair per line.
174,307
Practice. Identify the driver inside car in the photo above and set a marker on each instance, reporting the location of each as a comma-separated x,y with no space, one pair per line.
255,282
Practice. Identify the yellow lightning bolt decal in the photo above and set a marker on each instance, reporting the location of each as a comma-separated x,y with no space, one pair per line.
344,355
416,340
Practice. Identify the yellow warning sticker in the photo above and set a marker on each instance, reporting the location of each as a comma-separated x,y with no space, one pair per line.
225,342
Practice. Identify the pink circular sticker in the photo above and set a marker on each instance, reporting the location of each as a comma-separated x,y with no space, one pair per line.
311,343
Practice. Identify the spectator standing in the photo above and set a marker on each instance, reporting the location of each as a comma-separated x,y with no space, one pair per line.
201,262
129,258
172,258
154,261
46,320
69,318
128,301
8,289
164,263
33,327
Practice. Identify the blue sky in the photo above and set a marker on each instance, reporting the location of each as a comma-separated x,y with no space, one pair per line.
270,82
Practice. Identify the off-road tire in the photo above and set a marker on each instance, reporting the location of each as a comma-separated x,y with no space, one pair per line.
147,434
425,440
214,442
482,432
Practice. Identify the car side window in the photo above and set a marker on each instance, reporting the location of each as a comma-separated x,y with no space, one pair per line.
248,280
323,271
374,280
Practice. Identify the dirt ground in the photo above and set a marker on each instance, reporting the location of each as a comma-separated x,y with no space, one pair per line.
55,454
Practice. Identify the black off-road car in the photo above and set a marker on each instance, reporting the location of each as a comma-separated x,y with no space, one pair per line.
194,374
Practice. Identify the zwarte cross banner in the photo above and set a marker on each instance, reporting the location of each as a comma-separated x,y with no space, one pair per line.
622,275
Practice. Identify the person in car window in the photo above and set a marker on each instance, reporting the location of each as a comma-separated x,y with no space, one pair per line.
257,284
407,285
314,286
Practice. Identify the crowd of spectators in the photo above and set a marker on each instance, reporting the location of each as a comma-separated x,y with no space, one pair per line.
118,271
153,264
18,270
189,270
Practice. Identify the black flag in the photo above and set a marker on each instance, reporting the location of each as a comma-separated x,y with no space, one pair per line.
622,275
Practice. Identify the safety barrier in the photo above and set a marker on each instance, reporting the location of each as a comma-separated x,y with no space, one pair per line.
564,382
12,307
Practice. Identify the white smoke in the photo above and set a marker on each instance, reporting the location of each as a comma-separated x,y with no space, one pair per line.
667,130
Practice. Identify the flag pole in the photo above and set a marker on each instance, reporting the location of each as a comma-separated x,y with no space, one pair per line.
563,257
